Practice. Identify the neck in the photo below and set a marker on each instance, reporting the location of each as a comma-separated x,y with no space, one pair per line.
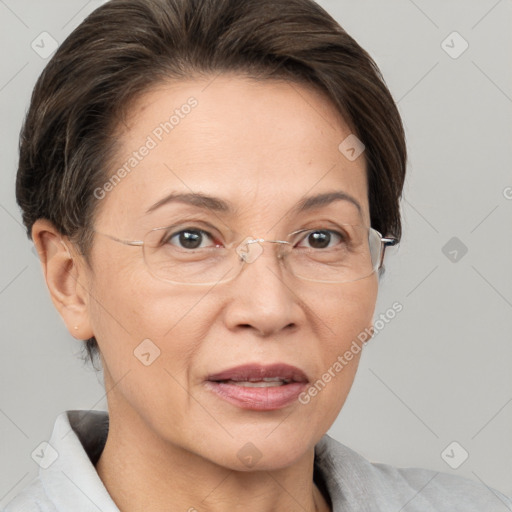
142,472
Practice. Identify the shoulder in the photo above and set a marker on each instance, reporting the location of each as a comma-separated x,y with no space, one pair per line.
67,478
355,481
31,499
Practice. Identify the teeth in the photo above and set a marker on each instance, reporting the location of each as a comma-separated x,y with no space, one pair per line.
265,382
260,384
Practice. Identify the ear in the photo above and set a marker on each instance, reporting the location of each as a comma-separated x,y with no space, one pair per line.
65,277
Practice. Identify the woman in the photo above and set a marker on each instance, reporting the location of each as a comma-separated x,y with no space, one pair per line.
210,186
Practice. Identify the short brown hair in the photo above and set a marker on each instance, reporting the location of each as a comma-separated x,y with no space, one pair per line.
126,46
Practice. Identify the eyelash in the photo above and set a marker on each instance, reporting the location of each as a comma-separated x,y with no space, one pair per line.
306,233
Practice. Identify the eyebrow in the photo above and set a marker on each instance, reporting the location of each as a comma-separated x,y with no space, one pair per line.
219,205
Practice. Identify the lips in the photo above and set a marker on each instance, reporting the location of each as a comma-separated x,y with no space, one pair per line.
256,373
258,387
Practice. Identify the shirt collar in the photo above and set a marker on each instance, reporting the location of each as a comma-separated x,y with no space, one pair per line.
79,436
71,480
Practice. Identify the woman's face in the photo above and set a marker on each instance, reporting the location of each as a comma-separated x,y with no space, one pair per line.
261,147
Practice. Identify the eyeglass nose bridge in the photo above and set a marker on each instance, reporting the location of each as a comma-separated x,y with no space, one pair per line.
249,249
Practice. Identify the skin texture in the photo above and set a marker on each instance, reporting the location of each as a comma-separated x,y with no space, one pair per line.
173,444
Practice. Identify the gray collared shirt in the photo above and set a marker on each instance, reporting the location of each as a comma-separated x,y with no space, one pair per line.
68,481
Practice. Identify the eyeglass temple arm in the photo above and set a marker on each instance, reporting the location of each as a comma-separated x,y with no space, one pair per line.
121,241
389,241
386,242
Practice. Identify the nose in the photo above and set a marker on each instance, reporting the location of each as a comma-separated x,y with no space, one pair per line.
261,297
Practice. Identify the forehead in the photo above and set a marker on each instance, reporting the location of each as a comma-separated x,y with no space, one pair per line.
259,144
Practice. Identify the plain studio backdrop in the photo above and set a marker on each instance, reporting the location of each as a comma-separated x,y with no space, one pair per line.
434,387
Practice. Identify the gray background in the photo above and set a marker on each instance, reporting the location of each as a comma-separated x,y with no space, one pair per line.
440,371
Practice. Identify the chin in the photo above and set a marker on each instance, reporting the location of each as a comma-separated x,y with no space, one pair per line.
264,452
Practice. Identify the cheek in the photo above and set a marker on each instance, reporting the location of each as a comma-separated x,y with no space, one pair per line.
131,312
345,315
344,311
148,332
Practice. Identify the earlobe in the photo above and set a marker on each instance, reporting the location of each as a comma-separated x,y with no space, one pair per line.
65,277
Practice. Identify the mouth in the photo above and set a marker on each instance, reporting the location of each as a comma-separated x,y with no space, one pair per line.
254,375
265,382
258,387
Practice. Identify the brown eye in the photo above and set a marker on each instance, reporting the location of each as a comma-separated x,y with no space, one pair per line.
322,239
189,239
